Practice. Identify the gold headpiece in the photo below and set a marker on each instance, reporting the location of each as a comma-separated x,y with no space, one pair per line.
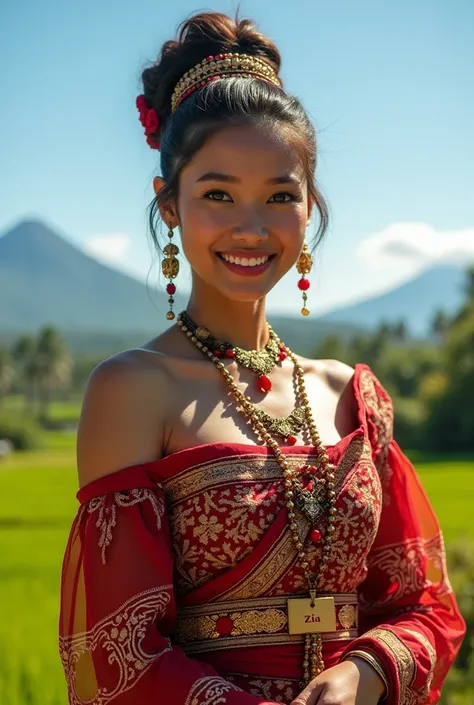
214,67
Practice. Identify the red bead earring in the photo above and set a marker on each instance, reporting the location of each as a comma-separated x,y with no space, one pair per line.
170,269
303,266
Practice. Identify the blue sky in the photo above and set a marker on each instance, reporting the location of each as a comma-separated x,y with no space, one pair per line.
388,84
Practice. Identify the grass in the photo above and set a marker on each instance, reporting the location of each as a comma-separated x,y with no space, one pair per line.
450,488
37,504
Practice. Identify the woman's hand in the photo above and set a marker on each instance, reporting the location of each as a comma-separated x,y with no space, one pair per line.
352,682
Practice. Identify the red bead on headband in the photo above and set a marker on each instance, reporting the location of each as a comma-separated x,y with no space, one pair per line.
150,121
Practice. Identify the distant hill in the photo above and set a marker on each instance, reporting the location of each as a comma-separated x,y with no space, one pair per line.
44,279
416,302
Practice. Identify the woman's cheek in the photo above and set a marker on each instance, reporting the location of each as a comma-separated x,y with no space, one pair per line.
204,216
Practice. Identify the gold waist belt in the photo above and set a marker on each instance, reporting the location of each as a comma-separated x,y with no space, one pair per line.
254,622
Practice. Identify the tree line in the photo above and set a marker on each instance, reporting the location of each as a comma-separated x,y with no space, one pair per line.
431,382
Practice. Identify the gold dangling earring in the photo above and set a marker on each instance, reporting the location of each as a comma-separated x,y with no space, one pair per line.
303,266
170,269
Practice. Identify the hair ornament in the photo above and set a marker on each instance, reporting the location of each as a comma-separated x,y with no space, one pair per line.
221,66
149,120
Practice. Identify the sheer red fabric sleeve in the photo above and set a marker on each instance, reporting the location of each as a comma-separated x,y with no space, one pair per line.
118,607
409,618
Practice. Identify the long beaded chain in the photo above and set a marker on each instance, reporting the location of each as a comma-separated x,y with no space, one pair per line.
296,498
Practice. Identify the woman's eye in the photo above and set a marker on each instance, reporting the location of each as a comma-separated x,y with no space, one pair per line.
217,195
282,197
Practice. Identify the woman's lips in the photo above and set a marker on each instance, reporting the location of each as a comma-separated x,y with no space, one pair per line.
247,270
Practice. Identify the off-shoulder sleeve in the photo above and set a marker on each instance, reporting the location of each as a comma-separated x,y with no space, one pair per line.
409,618
118,608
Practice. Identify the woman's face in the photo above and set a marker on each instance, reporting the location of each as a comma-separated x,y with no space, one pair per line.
243,210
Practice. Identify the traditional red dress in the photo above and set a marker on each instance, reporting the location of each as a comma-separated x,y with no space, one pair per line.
177,572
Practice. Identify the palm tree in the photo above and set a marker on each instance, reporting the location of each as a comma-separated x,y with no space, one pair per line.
6,373
470,284
24,354
440,325
400,331
54,365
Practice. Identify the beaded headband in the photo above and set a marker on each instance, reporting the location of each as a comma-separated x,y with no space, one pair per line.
209,69
221,65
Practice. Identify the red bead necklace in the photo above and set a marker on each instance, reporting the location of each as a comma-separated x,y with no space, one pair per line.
260,361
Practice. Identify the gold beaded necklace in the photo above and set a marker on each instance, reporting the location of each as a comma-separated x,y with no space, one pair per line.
314,498
260,361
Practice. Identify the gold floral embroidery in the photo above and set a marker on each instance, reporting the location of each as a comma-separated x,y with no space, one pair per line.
217,528
403,657
276,562
254,622
347,616
281,557
425,691
380,411
406,664
357,451
437,570
403,563
358,514
215,473
120,637
106,508
210,690
357,521
243,623
278,690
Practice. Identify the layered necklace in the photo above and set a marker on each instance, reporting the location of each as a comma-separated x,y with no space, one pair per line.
309,491
260,361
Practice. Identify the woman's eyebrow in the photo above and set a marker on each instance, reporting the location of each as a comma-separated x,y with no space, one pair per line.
285,179
217,176
229,179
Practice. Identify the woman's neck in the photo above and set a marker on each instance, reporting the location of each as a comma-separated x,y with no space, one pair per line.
241,324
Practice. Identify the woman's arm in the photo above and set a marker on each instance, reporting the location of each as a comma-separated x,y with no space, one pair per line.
409,618
118,606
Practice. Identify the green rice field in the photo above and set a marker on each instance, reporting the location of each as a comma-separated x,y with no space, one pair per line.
37,503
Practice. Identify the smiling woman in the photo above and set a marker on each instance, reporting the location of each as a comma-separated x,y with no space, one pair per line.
232,214
249,531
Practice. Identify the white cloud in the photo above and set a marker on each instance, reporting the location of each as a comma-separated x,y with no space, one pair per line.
110,248
407,247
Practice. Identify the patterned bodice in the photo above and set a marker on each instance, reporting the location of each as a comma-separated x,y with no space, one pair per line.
221,509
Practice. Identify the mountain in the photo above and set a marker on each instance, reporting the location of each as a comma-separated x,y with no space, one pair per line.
416,302
46,280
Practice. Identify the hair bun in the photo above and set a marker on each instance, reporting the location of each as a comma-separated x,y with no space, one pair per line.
204,34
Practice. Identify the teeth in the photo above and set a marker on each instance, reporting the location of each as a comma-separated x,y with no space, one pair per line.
243,261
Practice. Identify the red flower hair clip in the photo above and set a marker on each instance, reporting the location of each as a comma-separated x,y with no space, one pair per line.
150,121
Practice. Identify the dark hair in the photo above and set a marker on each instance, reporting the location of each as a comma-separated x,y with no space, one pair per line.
229,101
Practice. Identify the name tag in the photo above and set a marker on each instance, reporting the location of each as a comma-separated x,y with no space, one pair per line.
304,619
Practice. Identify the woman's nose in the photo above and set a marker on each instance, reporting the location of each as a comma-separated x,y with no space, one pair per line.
251,228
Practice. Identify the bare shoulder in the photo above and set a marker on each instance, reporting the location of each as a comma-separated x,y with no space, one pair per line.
122,415
338,374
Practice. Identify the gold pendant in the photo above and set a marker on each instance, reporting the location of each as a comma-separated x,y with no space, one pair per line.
311,504
306,619
287,426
